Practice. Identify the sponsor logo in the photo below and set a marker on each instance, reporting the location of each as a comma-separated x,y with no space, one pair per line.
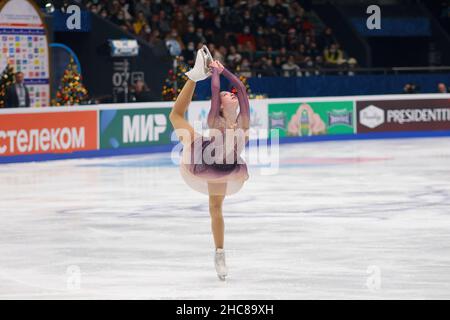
371,116
418,115
143,128
340,117
277,120
49,132
134,128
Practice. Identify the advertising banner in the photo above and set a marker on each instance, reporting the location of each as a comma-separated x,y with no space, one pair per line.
49,132
311,119
198,115
134,128
403,115
24,46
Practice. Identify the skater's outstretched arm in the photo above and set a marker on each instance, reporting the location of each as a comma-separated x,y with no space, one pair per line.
215,98
244,104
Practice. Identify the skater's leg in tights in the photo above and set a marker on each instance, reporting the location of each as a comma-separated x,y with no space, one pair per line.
217,224
180,124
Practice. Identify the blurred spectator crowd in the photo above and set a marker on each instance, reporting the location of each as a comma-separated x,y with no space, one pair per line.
253,38
444,16
411,88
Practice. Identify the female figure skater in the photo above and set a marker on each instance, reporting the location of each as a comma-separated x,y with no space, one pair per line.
219,177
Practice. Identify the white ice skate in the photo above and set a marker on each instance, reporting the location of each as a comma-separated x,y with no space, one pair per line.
208,56
200,71
221,267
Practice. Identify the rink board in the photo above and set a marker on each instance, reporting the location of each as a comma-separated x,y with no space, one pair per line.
52,133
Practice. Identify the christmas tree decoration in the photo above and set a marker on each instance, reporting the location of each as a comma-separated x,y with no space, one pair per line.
7,79
175,80
71,91
247,86
245,82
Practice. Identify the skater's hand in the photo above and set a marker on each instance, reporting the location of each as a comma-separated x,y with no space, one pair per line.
216,65
213,65
221,67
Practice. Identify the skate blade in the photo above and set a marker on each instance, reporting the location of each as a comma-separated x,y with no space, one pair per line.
207,57
222,278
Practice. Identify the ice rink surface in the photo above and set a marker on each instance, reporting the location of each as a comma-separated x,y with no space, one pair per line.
343,219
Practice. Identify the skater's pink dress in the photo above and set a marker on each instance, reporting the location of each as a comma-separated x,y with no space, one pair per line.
212,165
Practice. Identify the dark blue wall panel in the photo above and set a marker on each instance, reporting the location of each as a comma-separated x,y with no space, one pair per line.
318,86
